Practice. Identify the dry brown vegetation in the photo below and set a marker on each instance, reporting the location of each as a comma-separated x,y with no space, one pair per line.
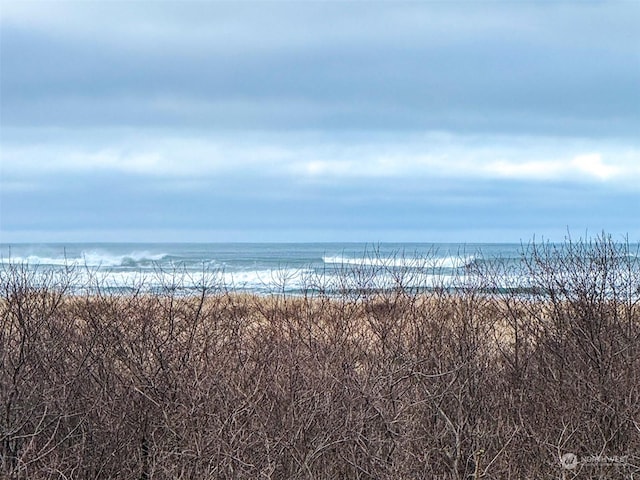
481,382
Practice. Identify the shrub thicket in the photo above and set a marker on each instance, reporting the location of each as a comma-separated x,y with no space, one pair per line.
484,381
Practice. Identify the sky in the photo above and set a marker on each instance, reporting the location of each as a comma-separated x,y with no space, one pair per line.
426,121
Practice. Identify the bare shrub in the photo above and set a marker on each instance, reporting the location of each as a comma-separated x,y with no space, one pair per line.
494,374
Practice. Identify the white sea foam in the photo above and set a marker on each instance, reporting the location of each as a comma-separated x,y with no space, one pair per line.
89,259
97,258
265,281
277,279
37,260
251,280
401,262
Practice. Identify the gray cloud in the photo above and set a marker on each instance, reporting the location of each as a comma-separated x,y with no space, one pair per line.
317,120
570,69
269,209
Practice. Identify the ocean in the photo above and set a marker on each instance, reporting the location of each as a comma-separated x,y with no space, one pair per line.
264,267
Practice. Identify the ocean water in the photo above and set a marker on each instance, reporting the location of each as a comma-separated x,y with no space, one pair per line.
264,267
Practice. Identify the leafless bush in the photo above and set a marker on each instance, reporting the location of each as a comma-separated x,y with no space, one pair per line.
480,377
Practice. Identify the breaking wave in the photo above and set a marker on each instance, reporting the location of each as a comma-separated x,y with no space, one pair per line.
400,262
91,259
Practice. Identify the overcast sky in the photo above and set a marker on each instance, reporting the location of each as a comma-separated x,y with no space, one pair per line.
318,121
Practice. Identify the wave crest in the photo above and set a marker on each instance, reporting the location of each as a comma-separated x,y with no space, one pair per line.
400,262
91,259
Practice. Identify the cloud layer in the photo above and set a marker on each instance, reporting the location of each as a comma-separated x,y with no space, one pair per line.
318,120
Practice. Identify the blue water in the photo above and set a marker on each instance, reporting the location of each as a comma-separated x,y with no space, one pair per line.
255,267
262,267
